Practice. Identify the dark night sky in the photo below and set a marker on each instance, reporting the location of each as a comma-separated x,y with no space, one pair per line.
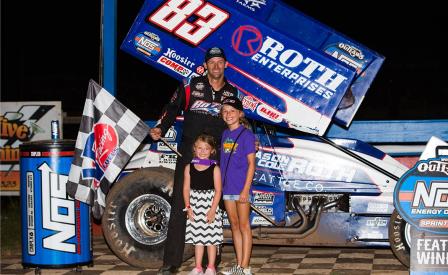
50,49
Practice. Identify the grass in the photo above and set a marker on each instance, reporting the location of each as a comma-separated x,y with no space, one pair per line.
10,228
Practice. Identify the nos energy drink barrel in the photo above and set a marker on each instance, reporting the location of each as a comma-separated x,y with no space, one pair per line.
55,228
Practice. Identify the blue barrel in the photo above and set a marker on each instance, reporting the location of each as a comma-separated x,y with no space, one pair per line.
56,230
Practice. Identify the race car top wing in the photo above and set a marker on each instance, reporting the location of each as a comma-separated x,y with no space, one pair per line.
283,80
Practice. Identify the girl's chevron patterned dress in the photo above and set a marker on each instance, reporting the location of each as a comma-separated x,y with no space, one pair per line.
199,232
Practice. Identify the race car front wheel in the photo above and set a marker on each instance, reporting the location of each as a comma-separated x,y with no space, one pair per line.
400,238
135,221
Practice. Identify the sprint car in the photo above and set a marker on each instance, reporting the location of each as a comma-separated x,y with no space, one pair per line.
308,191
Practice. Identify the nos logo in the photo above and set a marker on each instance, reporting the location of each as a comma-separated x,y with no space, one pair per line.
421,196
58,212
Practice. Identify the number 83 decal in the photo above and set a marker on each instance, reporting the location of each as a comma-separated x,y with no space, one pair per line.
173,17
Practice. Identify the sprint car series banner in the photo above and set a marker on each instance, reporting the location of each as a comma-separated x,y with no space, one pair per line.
421,199
282,80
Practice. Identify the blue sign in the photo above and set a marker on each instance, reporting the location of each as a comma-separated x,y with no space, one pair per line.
421,196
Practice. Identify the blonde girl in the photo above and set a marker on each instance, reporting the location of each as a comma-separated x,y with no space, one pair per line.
202,193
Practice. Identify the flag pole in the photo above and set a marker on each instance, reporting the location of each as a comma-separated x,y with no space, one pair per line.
171,147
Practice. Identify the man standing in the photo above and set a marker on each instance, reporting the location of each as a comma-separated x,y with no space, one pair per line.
200,99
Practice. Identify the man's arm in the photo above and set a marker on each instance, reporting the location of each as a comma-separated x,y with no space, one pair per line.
170,111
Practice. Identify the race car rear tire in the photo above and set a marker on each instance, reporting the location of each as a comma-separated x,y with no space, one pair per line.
400,238
135,220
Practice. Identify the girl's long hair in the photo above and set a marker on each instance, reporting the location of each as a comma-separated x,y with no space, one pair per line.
243,120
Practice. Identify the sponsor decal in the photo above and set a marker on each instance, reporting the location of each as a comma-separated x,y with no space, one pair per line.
211,108
174,66
100,149
269,113
421,196
302,168
171,134
162,146
167,158
272,160
298,68
152,36
148,43
348,54
266,210
199,86
352,50
247,40
227,93
197,94
309,169
300,185
250,103
377,207
200,70
63,221
434,166
106,144
423,201
263,198
258,220
252,4
376,222
173,55
267,178
347,60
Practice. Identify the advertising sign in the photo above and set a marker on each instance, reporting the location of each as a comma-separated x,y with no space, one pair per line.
428,253
22,122
421,198
282,80
365,61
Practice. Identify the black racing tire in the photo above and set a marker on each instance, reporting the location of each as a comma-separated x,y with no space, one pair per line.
400,238
135,221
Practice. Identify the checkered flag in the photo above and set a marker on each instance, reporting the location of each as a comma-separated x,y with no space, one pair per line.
108,136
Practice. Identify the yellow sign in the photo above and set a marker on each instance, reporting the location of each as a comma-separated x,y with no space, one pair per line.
21,122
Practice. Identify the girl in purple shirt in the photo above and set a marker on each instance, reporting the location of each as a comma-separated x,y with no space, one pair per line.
237,171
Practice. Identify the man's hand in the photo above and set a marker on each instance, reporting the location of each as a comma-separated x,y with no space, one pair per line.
155,133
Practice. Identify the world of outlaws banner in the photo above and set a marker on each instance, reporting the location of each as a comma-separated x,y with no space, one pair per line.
421,198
